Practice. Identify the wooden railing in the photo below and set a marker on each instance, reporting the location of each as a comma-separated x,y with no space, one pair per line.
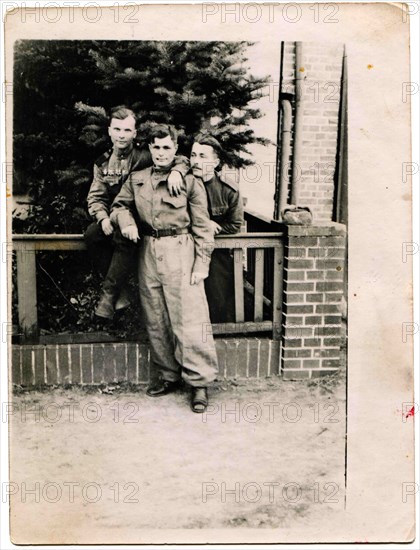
261,253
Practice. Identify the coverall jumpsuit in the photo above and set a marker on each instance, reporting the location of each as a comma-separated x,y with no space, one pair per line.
176,312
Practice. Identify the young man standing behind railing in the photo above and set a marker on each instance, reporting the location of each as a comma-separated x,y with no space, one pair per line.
227,216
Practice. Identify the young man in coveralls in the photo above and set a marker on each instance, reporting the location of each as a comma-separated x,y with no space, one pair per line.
113,256
174,259
227,216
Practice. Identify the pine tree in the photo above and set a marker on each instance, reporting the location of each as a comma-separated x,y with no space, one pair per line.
63,90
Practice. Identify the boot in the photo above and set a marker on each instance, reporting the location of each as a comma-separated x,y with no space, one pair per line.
122,264
123,300
199,400
105,307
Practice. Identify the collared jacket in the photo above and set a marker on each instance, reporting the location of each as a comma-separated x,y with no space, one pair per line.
144,200
112,169
225,204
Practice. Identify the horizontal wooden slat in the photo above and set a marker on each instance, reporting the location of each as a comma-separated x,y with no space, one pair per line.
47,237
48,242
252,236
249,240
58,245
80,237
235,328
76,241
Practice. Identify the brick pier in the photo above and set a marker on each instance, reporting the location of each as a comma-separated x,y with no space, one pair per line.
314,291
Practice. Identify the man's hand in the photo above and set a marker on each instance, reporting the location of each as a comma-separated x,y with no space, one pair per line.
130,232
216,227
107,227
196,278
174,183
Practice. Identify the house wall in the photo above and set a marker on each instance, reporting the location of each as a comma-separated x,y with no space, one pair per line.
320,102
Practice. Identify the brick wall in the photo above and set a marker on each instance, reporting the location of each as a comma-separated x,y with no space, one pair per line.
95,364
320,100
313,285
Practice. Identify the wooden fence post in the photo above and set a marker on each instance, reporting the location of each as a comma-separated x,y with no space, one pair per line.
26,289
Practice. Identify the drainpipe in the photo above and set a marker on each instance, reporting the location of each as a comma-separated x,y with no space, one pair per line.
278,182
340,183
286,134
297,142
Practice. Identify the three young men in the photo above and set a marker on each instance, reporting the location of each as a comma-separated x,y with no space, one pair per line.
112,255
177,217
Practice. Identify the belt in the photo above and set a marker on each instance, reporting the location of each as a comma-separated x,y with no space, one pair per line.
167,232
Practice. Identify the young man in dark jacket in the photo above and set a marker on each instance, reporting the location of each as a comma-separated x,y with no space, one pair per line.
226,213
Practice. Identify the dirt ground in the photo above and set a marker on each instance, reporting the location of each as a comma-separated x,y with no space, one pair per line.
98,465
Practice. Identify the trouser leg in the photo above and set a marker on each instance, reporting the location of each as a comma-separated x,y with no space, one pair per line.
194,344
188,311
220,287
158,325
122,264
100,248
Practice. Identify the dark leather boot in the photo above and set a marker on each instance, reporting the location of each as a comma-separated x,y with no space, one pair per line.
105,307
162,387
124,299
199,400
114,287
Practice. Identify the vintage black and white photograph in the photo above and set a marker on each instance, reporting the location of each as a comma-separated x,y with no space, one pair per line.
178,287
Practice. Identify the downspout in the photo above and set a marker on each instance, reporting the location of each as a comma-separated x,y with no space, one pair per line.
297,142
340,187
286,134
278,182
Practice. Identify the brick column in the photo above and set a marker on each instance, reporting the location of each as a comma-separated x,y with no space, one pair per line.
320,102
313,285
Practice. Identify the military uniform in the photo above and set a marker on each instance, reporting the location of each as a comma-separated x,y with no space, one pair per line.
114,256
226,209
176,312
109,173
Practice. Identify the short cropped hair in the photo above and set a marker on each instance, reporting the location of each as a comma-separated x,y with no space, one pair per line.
207,139
159,131
121,112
